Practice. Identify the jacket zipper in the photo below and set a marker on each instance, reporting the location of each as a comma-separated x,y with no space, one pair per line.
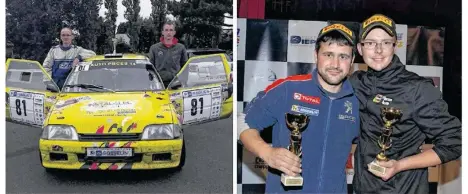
325,145
373,85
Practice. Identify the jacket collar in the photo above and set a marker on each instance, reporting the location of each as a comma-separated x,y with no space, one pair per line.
174,42
346,88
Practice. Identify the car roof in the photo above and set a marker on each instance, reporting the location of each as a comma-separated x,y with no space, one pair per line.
118,56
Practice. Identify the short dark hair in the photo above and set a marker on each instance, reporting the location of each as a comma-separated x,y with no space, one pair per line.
333,37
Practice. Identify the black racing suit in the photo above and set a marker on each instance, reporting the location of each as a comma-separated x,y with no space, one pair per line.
425,116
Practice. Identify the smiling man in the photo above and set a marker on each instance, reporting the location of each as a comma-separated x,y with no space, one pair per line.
387,84
327,98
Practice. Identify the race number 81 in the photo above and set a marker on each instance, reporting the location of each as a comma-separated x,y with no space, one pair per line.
194,103
18,106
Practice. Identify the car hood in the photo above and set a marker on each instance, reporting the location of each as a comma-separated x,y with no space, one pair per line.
112,112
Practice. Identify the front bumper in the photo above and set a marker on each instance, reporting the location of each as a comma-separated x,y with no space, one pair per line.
154,154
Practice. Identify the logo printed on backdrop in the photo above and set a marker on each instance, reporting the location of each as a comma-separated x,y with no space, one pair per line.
302,37
302,40
402,33
271,75
254,169
241,36
400,40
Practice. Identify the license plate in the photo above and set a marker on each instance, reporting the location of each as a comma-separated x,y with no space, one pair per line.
109,152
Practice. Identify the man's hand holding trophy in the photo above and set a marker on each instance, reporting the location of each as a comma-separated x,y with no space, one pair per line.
296,123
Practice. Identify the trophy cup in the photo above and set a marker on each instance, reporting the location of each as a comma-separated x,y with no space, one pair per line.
296,123
390,115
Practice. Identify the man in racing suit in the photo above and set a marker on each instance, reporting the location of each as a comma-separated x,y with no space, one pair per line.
61,58
329,102
424,115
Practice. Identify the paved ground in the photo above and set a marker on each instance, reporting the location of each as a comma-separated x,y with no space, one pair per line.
208,167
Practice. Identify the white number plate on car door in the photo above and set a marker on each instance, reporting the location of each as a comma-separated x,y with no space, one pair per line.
109,152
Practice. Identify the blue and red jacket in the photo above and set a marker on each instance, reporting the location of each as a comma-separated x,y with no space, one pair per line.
326,142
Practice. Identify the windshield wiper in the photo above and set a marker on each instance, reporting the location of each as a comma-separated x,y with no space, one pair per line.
89,86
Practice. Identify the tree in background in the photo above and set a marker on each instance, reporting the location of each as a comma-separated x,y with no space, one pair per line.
147,34
109,27
33,27
132,14
201,20
158,16
85,14
104,45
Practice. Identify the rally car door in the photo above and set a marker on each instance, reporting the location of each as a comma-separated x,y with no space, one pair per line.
202,90
29,95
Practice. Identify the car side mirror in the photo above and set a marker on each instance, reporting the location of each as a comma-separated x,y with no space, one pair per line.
52,87
175,85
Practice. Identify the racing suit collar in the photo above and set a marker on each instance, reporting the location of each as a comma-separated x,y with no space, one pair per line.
65,48
174,42
390,71
346,88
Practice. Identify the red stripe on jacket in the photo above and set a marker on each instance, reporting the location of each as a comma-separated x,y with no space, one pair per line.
278,82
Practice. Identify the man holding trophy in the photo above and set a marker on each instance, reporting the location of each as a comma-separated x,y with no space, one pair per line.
315,117
398,111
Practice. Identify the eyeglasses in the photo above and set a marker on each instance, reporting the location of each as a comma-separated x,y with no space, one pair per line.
383,45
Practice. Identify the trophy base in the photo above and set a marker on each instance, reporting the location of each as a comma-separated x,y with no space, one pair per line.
291,181
376,168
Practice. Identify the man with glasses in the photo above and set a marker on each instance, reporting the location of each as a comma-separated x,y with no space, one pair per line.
387,84
168,56
61,58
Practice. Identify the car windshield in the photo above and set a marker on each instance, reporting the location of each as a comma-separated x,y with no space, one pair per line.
113,76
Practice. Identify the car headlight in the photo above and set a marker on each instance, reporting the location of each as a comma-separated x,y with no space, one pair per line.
59,132
167,131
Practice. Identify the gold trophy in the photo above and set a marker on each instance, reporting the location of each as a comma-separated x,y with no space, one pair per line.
390,115
296,123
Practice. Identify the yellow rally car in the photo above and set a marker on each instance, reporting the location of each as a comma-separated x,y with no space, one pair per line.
114,112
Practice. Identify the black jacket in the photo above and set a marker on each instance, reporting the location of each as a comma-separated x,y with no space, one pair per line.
425,116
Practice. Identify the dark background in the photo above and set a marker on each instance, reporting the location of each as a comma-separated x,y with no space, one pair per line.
430,13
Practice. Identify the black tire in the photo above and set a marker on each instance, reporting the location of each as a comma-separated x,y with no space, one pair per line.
182,158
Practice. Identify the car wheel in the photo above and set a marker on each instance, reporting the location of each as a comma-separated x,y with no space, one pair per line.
182,158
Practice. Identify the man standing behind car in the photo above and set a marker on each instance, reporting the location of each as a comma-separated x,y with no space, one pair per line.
61,58
168,56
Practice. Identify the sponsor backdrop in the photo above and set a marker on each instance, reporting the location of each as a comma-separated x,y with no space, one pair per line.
272,49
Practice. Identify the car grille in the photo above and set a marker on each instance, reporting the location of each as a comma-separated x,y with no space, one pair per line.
107,137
